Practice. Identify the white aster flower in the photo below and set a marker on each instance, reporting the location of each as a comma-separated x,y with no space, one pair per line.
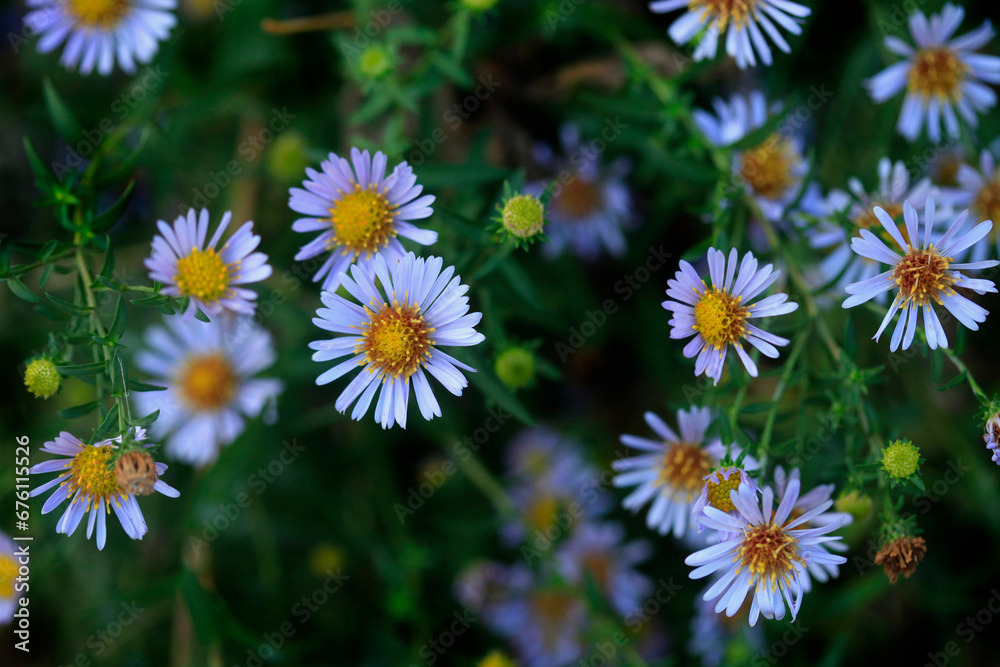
360,212
941,76
739,22
210,372
395,338
97,32
671,471
87,481
772,172
894,187
766,554
716,487
979,191
720,316
925,273
210,278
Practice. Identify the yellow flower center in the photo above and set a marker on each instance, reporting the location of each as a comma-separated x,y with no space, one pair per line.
768,168
718,492
922,276
867,220
769,553
684,468
8,572
99,13
719,318
362,220
986,205
397,340
541,513
551,609
725,11
207,382
578,198
202,275
90,473
937,72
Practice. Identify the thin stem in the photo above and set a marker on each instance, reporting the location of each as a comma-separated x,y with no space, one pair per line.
962,368
330,21
487,483
779,391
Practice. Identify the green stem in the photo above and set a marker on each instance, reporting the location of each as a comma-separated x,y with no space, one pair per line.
962,368
487,483
779,391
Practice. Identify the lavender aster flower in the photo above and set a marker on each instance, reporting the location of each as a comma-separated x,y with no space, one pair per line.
360,212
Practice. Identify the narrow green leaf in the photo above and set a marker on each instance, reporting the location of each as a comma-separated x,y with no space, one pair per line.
205,616
108,266
493,262
118,173
66,306
43,177
520,283
78,410
4,255
46,274
50,313
452,69
112,284
147,420
135,385
489,384
93,368
118,324
150,301
65,122
119,375
21,290
957,380
108,427
106,220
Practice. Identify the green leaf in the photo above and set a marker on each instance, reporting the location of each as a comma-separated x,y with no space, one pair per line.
761,134
150,301
937,367
106,220
43,177
66,306
112,284
493,262
135,385
917,482
452,69
78,410
112,176
205,615
65,122
119,375
489,384
108,427
957,380
93,368
108,266
50,313
520,283
147,420
118,324
21,290
4,255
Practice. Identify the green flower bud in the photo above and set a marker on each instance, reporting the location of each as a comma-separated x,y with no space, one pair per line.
901,459
375,62
41,377
515,367
855,503
286,158
523,216
479,5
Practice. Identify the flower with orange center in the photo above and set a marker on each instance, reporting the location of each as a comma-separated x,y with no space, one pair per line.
670,472
738,22
718,317
359,210
211,278
942,75
979,191
100,33
926,273
87,480
210,373
396,334
763,552
772,170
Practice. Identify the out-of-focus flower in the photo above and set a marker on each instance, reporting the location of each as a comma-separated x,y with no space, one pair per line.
515,367
9,595
941,75
719,317
597,551
210,373
925,273
979,191
396,335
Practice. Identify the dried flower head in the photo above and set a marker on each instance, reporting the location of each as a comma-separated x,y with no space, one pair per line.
135,472
901,556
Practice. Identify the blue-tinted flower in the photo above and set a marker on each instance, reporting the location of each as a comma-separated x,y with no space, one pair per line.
979,191
924,274
719,317
209,277
210,373
766,555
941,75
671,471
712,632
715,491
87,481
360,212
771,172
992,436
598,551
100,32
396,335
843,265
741,23
8,573
590,206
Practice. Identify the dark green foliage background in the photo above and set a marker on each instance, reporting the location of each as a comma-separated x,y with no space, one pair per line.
224,79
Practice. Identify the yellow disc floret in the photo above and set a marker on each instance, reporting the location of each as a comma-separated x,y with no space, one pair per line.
769,169
986,205
89,472
207,382
922,277
718,491
937,72
362,221
203,275
98,13
683,469
719,318
8,572
725,12
397,341
769,553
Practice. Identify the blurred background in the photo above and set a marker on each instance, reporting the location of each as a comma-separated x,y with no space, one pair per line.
243,96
